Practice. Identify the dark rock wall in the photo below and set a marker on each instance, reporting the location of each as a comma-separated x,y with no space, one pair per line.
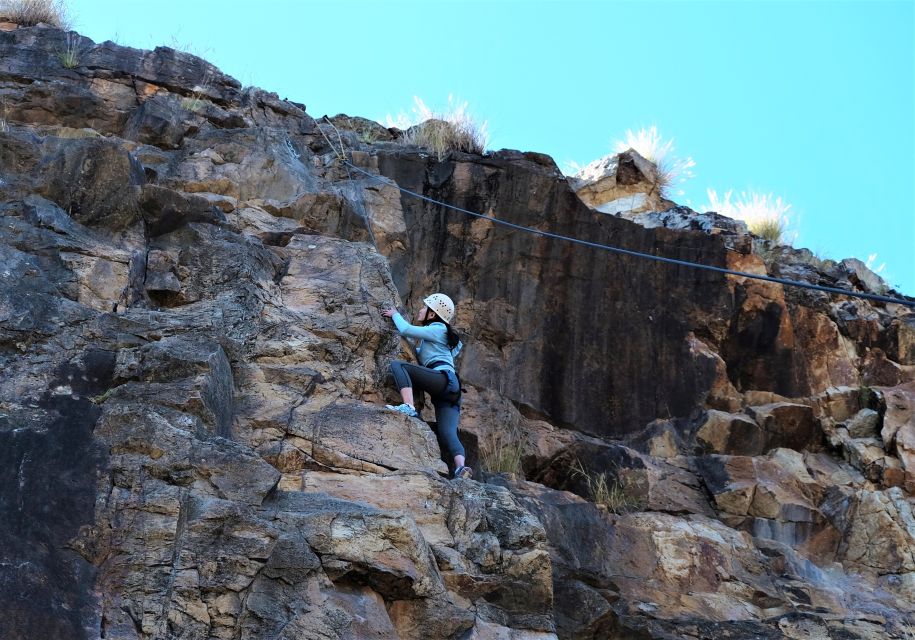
584,336
50,465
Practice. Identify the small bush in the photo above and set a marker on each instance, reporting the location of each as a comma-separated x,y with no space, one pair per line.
766,216
613,494
649,144
441,133
31,12
503,455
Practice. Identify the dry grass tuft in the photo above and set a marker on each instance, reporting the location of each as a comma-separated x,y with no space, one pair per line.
441,132
442,137
368,136
613,494
766,216
196,100
907,631
649,144
27,13
70,56
771,229
76,134
504,454
193,102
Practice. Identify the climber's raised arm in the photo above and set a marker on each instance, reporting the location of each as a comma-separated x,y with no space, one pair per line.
412,331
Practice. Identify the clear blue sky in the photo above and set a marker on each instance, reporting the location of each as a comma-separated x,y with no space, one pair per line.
812,101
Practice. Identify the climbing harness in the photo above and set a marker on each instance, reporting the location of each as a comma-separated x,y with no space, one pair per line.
454,381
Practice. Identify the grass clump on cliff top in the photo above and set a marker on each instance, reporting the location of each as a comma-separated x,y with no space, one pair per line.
649,144
771,229
766,216
28,13
441,132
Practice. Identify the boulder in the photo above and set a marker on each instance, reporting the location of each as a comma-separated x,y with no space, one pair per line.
787,424
684,218
245,164
351,436
623,480
898,431
722,394
488,548
839,403
186,374
903,331
165,210
772,497
878,370
95,181
864,424
862,277
878,530
731,434
616,570
97,274
624,182
187,268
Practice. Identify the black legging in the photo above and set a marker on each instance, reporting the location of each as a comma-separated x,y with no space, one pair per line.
436,383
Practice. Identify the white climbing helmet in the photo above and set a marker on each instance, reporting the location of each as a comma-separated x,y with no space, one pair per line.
442,305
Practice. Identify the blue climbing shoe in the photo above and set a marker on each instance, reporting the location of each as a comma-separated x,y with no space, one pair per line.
404,409
462,472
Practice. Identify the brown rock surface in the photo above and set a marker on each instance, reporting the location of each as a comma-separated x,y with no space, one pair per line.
898,431
728,433
774,497
193,363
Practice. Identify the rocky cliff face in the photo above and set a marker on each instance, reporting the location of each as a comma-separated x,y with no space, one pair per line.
194,361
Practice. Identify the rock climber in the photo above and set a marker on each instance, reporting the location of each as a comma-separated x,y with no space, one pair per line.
437,345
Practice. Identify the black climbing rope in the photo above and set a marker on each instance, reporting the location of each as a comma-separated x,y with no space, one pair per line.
637,254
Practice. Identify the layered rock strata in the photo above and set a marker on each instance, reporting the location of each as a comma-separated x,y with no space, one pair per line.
194,363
